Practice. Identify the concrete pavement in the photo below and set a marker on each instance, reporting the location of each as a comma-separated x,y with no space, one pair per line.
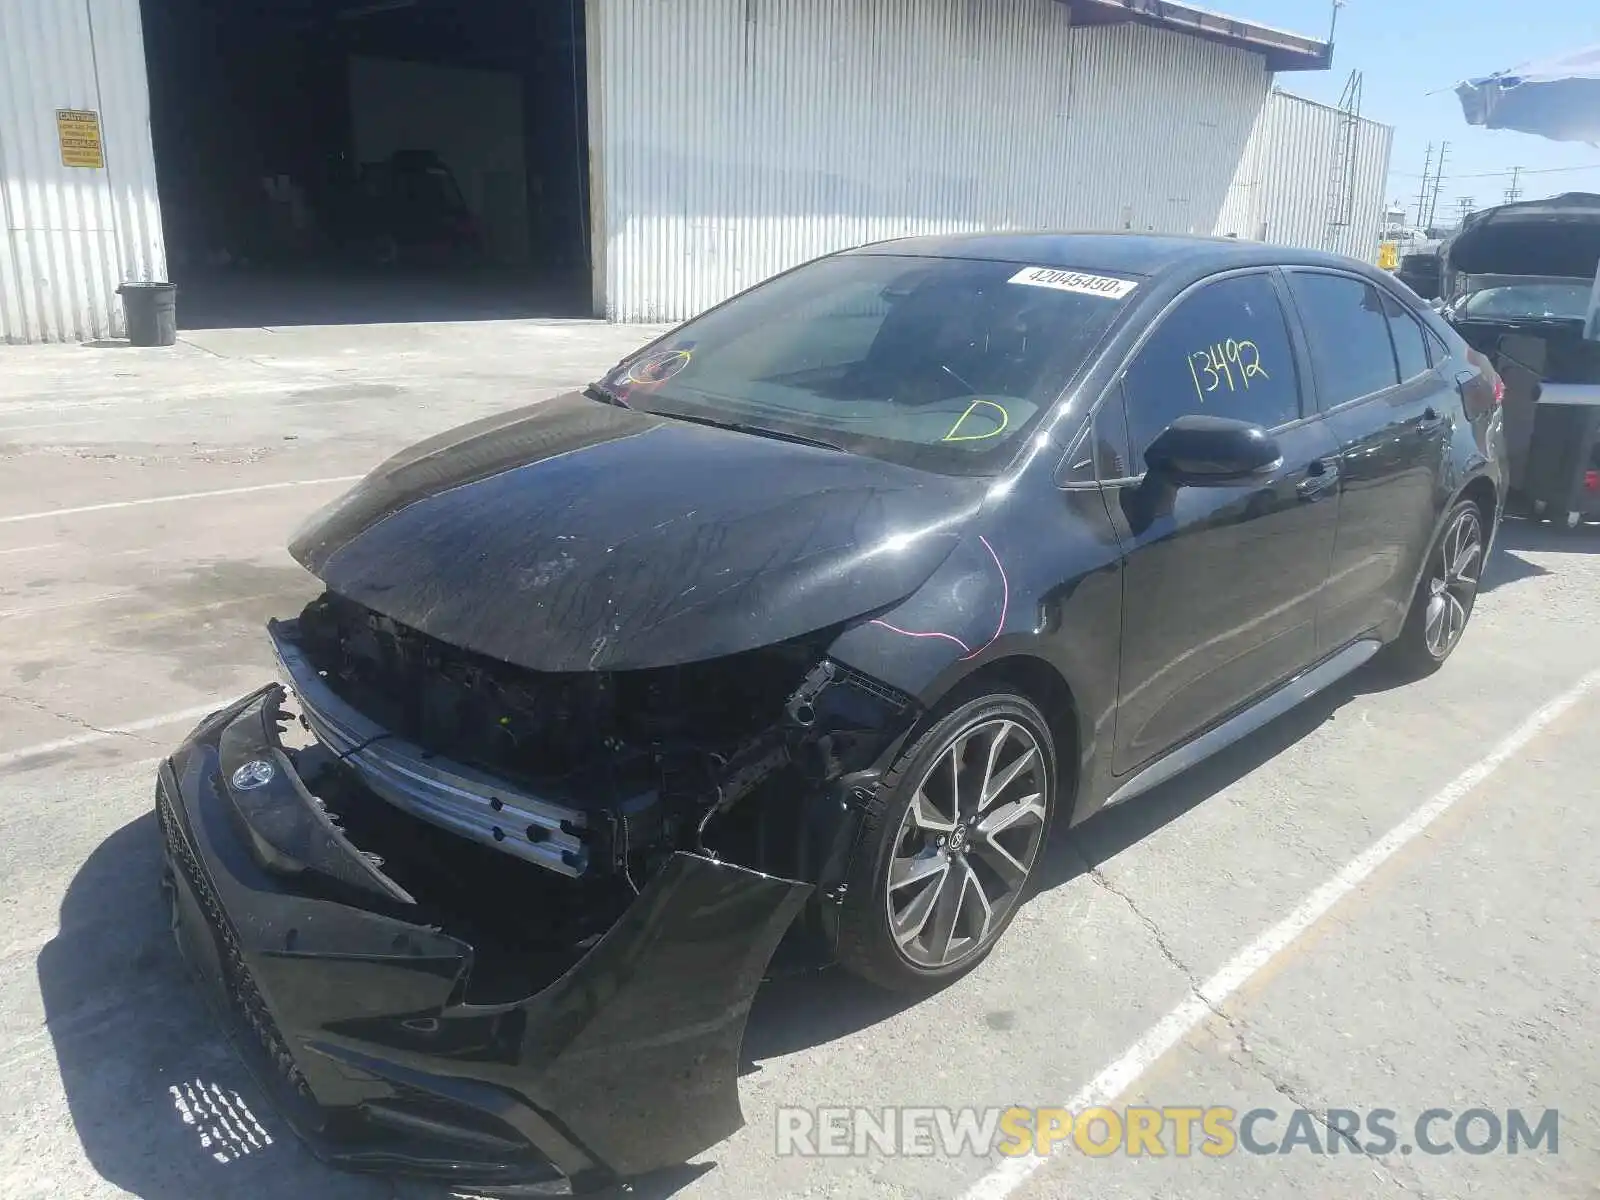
1461,977
1454,977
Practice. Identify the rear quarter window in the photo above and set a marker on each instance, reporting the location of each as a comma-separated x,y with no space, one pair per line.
1410,342
1352,354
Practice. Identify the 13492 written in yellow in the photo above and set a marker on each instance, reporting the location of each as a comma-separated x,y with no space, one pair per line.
1234,363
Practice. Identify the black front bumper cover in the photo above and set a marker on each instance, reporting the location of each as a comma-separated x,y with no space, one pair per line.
354,1019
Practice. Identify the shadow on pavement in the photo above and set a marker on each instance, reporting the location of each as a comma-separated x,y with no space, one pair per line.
162,1107
1520,536
1545,537
1507,566
1106,834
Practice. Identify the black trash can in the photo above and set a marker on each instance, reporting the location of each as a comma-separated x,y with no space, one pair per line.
152,312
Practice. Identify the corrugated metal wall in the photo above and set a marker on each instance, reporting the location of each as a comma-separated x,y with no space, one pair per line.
1282,192
70,235
731,139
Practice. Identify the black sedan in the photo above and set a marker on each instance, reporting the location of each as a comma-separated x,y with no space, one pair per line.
812,617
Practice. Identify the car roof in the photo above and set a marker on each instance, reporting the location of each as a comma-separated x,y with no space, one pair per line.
1142,254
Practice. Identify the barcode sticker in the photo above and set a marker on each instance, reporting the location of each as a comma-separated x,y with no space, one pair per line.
1074,281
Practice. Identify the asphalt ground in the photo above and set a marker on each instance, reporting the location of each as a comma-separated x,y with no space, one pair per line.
1385,901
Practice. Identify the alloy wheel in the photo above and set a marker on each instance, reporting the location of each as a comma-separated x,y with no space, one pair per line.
967,843
1453,582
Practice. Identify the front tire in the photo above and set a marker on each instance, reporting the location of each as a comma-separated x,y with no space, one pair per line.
949,845
1444,599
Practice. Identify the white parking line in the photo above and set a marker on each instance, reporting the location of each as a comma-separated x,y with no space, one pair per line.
80,602
12,757
1138,1058
235,491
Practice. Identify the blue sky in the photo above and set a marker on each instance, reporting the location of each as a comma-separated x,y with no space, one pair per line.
1407,49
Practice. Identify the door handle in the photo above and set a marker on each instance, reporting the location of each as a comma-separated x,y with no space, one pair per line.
1322,477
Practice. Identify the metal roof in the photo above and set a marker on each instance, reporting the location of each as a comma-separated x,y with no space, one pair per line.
1283,50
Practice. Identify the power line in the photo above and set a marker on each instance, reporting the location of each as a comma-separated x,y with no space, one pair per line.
1507,173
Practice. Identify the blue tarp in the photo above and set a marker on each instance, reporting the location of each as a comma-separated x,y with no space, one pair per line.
1558,98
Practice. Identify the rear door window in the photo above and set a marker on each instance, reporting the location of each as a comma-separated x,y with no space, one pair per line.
1225,351
1410,345
1352,354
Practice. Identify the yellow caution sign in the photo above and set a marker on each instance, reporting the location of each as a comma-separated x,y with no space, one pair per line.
1388,256
79,131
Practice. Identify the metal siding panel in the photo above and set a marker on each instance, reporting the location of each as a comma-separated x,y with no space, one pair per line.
1374,145
782,131
1280,192
71,235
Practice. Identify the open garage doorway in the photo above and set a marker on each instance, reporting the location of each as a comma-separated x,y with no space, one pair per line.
355,161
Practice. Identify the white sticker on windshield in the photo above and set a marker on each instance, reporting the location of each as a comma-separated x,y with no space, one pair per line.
1074,281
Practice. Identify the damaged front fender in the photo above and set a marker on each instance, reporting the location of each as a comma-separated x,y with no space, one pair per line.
358,1016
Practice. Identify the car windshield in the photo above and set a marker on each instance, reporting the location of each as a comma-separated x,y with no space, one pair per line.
936,363
1531,300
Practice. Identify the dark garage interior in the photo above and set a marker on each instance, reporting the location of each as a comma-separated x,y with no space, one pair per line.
351,161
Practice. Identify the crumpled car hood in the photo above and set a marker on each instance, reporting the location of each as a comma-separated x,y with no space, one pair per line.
574,535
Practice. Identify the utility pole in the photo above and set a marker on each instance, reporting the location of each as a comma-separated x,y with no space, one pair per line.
1465,202
1438,182
1514,193
1422,193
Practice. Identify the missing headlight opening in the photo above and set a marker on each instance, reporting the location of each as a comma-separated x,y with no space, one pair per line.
491,792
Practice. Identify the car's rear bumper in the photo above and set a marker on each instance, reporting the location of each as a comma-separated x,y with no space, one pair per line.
353,1017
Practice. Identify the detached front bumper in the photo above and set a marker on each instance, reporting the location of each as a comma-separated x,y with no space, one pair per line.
355,1019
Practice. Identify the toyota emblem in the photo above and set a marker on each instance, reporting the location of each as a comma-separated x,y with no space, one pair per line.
253,774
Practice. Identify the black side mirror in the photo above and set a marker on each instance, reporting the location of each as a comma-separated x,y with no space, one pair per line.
1205,451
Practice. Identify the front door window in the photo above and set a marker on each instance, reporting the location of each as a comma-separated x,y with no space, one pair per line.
1223,351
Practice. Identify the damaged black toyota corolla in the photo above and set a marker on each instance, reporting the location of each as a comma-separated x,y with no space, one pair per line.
811,615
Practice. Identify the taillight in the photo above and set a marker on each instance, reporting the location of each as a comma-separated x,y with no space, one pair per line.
1591,481
1499,391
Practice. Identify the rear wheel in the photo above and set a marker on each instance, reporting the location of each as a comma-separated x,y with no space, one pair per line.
1444,599
949,845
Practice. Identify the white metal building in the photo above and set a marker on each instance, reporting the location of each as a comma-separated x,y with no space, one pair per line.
1310,176
71,234
708,143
